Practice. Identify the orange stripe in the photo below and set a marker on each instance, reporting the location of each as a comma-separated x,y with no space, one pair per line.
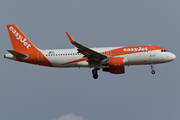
34,60
133,49
75,61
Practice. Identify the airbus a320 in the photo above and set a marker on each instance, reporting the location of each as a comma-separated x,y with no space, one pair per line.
109,59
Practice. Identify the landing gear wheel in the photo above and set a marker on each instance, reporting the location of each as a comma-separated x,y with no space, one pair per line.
94,71
152,67
95,76
153,72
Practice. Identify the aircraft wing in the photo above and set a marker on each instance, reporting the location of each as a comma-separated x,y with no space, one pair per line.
87,52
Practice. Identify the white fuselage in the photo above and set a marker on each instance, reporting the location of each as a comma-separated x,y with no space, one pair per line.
58,57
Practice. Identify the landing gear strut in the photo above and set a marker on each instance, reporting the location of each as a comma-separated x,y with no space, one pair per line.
152,67
95,73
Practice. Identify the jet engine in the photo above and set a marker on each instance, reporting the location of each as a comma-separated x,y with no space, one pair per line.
116,65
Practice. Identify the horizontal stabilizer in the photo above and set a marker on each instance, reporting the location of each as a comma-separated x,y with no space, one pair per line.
17,54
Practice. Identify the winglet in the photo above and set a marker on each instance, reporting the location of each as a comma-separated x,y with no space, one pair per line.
70,38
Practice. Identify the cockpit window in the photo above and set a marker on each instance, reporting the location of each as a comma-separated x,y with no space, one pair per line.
164,50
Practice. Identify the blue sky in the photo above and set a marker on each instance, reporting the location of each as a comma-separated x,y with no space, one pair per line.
30,92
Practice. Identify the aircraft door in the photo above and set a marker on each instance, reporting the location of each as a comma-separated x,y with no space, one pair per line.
39,56
152,52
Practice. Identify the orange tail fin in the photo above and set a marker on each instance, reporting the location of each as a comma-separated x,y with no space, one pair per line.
23,46
19,41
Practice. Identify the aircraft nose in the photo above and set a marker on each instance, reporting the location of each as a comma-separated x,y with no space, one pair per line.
172,56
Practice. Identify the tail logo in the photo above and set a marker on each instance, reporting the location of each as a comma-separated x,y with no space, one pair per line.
20,38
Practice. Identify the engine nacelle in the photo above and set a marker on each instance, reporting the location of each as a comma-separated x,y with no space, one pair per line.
116,65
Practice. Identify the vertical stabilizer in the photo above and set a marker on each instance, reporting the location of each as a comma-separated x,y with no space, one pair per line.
19,41
24,50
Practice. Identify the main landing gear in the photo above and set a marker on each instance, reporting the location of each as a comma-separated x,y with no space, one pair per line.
152,67
95,73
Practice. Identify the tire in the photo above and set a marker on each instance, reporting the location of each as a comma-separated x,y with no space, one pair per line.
153,72
94,71
95,76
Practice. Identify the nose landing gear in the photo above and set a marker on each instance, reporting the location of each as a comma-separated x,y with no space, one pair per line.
153,72
152,67
95,73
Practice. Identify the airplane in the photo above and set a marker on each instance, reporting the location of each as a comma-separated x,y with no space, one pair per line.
109,59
